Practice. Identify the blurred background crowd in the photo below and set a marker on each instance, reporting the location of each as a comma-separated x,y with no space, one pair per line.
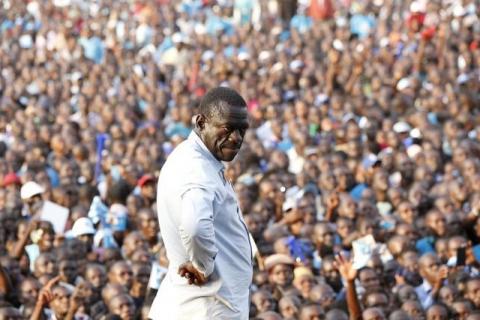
358,180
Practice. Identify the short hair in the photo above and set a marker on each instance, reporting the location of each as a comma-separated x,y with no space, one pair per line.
218,99
336,314
118,192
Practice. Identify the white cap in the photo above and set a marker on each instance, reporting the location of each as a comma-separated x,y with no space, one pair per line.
243,56
417,6
208,55
31,189
401,127
403,84
277,67
415,133
178,37
83,226
338,45
463,78
264,55
296,64
414,150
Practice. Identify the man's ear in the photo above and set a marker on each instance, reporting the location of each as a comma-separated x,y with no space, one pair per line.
199,120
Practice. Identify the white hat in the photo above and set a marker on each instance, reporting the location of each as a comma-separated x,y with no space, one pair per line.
178,37
338,45
264,55
403,84
415,133
414,150
208,55
296,64
417,6
83,226
31,189
401,127
243,56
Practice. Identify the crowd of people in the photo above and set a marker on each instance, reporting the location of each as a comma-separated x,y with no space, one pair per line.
358,179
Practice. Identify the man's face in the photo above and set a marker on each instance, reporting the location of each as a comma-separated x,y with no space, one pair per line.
45,264
223,132
29,291
149,191
461,309
10,313
437,313
331,274
372,314
96,276
369,279
263,300
414,309
148,224
141,275
473,292
311,313
324,236
429,268
68,270
407,212
436,221
281,275
123,306
377,300
60,301
344,228
121,274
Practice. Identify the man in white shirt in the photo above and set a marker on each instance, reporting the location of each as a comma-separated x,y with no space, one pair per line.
206,239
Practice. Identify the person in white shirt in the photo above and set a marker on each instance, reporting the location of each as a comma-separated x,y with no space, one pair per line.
205,236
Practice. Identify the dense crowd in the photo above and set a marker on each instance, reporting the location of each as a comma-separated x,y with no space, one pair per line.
358,180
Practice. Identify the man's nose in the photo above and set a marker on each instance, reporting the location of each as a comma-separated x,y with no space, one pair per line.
235,136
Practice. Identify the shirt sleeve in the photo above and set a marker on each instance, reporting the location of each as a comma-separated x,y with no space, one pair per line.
196,229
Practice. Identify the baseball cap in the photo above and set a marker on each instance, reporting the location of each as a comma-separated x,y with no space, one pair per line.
11,178
31,189
83,226
146,178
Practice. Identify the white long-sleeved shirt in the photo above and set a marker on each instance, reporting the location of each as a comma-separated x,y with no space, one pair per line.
200,221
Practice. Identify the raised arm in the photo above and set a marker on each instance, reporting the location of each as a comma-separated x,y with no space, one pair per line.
348,273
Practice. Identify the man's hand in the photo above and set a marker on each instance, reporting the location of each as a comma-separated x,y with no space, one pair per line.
187,270
291,217
345,267
45,296
77,298
441,275
333,200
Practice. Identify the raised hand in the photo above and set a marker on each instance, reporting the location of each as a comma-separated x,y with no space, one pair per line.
188,271
442,274
345,267
333,200
78,296
46,296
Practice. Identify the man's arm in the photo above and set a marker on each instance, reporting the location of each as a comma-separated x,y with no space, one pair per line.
349,274
197,232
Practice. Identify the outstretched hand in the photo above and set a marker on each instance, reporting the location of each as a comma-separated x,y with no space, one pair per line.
188,271
45,296
345,267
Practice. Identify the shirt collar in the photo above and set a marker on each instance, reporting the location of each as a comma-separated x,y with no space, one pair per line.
195,139
426,286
